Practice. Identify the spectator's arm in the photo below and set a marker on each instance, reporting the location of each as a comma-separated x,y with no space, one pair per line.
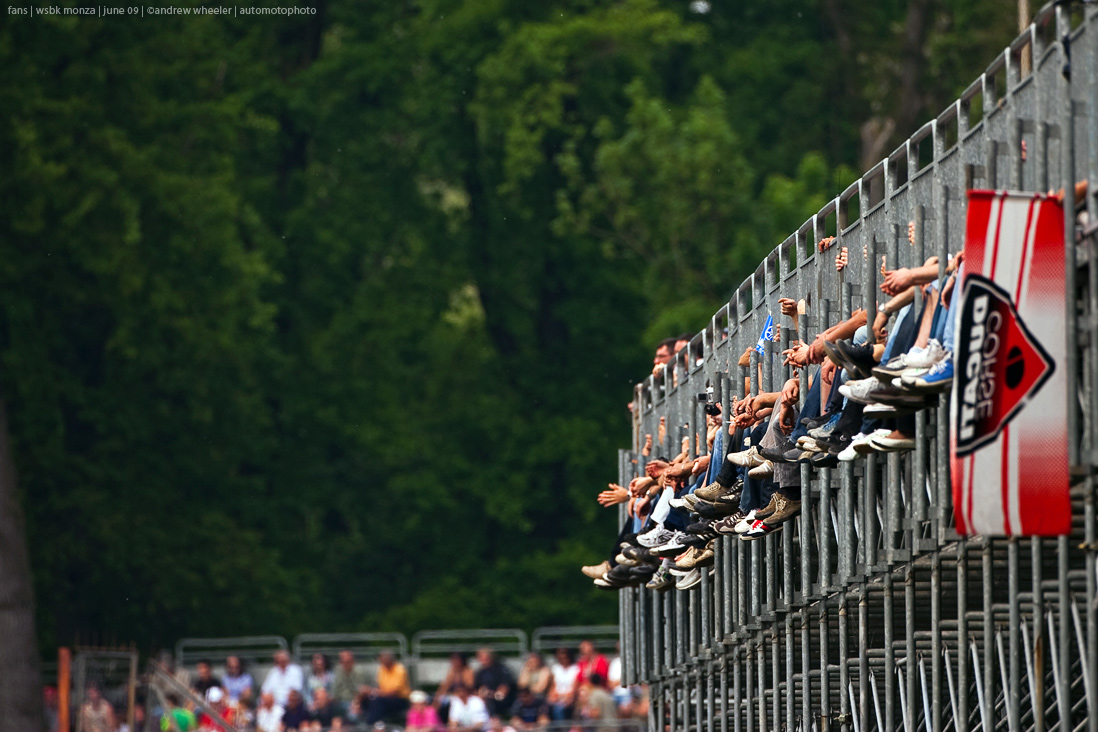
899,280
613,495
889,309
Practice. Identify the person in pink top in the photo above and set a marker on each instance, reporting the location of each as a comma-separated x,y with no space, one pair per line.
591,662
421,716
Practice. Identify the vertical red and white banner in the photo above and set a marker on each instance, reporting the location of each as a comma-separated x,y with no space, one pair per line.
1008,437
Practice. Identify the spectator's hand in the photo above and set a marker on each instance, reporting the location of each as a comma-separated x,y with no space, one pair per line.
842,260
827,372
947,291
897,281
655,468
879,323
815,351
647,449
911,233
700,465
613,495
786,421
788,305
642,505
825,243
745,359
791,391
662,432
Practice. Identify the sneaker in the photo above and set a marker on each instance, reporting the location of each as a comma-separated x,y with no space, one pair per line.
692,579
749,458
639,554
685,562
797,455
858,390
823,430
939,378
655,537
639,575
757,530
597,570
712,492
619,574
763,470
809,444
745,523
826,459
625,561
727,525
661,580
887,443
706,556
787,509
734,496
856,360
701,528
674,545
768,508
607,584
862,444
812,423
716,510
916,358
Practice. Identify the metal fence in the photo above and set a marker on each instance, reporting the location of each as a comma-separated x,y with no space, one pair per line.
868,610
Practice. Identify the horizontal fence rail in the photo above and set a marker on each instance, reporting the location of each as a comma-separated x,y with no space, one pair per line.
868,611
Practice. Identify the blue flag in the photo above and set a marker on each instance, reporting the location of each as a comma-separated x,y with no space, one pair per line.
767,334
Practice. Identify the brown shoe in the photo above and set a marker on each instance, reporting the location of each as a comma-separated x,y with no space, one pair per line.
597,571
770,507
786,509
687,560
705,556
712,492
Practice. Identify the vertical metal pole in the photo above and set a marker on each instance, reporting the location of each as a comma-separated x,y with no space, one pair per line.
890,656
989,647
1015,618
961,720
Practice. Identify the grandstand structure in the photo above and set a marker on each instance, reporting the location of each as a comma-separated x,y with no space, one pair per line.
426,654
869,611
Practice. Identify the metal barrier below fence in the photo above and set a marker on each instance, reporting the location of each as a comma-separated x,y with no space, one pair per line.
868,610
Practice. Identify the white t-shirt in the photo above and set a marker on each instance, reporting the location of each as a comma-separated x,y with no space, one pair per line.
468,713
281,683
268,720
564,679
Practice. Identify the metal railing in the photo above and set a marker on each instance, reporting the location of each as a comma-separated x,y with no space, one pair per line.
868,611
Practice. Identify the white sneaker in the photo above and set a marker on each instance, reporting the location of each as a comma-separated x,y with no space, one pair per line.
926,357
654,537
746,459
674,543
860,445
745,524
859,389
688,580
763,470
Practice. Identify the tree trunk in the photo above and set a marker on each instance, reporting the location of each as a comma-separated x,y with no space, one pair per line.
20,688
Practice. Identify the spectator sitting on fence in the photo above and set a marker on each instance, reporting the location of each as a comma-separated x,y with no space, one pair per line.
529,711
390,698
562,692
324,709
268,717
177,718
216,699
468,712
204,679
283,678
96,713
296,714
319,677
349,684
422,717
494,682
237,682
535,675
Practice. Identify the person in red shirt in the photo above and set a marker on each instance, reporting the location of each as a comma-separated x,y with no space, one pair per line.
591,662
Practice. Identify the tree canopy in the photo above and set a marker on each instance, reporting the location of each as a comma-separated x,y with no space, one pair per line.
328,322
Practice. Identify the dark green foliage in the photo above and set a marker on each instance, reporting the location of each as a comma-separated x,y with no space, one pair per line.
329,322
